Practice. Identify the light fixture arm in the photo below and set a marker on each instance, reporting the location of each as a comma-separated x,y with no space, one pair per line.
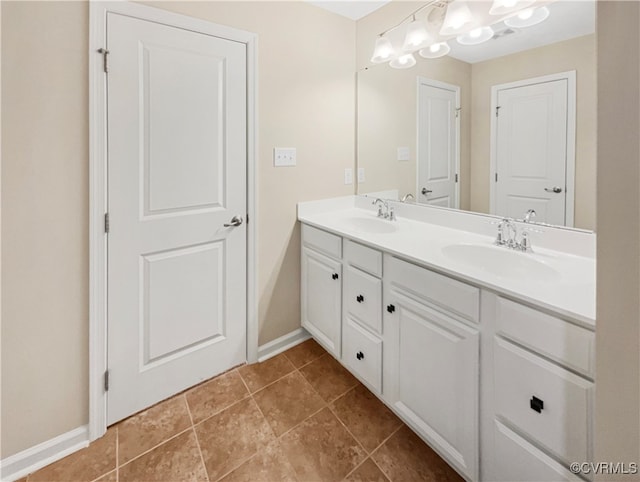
413,15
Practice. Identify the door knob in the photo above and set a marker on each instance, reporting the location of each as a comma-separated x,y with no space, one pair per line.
426,191
555,189
235,221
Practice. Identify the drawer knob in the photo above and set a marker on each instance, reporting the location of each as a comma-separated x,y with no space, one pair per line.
391,308
359,298
536,404
335,276
359,355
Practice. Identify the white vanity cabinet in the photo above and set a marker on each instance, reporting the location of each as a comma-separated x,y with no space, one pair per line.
501,389
321,287
538,403
431,368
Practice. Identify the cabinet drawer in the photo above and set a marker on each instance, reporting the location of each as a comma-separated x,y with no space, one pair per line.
363,298
524,381
552,337
322,241
516,460
453,295
362,353
363,257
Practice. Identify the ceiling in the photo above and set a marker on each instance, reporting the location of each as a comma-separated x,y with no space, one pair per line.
568,19
353,9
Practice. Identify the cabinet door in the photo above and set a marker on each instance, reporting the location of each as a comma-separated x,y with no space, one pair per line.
434,368
322,298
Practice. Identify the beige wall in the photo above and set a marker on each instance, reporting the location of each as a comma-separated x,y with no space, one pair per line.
306,100
577,54
618,278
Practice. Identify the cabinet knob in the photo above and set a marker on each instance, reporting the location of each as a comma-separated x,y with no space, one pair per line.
391,308
359,355
335,276
359,298
536,404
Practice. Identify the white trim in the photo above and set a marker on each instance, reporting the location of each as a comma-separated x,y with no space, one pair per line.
281,344
98,186
451,87
570,181
43,454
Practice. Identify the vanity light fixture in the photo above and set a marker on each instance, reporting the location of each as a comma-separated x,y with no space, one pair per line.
403,61
458,18
436,50
476,36
383,50
503,7
458,22
417,36
527,17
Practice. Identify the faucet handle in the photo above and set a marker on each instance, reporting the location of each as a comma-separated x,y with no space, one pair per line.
525,243
392,214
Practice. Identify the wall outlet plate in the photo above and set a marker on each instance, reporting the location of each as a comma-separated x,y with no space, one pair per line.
348,176
404,153
284,156
360,175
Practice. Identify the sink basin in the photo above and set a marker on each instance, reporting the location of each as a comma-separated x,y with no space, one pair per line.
371,225
501,262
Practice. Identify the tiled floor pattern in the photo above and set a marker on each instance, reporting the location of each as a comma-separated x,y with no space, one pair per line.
298,416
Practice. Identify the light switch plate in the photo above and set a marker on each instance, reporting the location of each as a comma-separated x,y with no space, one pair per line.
348,176
403,153
284,156
360,175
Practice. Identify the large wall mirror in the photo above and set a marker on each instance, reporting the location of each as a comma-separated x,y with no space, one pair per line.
500,127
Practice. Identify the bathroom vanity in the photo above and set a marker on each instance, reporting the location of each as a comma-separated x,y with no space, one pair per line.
485,352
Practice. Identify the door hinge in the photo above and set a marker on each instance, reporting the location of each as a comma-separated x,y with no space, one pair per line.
496,177
497,109
458,109
456,177
106,381
106,223
247,218
105,59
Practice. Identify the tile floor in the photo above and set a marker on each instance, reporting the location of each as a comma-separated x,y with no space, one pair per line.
298,416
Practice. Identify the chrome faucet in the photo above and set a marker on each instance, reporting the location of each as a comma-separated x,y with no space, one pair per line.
529,216
407,196
508,236
384,211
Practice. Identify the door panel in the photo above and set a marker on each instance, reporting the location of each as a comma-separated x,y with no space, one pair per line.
531,151
437,145
177,174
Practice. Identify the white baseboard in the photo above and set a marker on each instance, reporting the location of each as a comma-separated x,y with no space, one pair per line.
281,344
43,454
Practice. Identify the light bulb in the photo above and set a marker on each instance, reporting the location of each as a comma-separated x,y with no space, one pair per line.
476,36
383,50
527,18
436,50
403,61
417,36
503,7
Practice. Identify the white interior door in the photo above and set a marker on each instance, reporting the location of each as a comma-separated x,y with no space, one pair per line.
176,175
531,151
438,143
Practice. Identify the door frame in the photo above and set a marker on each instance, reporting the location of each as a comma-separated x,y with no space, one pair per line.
98,190
570,177
439,85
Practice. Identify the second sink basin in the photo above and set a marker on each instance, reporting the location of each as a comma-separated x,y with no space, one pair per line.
501,262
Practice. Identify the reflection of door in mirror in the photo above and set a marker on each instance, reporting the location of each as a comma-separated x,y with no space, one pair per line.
438,143
533,161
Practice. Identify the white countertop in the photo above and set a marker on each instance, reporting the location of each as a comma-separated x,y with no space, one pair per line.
570,293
